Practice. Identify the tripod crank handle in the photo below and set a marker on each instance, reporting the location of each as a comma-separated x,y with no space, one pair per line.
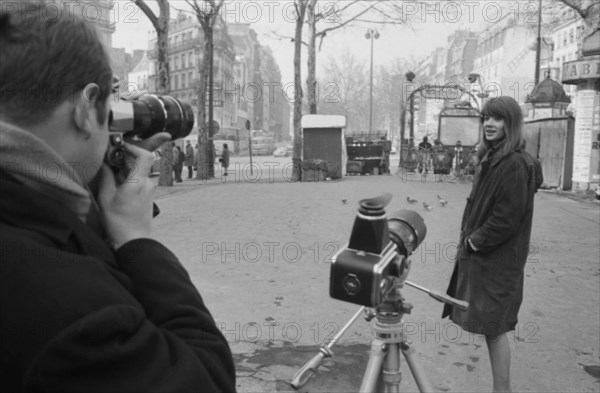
304,375
460,304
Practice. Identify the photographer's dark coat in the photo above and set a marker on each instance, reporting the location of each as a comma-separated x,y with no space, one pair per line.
497,219
76,316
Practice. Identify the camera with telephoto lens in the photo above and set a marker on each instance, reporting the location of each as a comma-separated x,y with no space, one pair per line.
142,118
364,271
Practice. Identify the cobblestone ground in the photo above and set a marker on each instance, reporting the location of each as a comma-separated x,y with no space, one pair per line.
258,250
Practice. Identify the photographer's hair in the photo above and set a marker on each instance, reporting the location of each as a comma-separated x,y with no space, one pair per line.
507,109
48,56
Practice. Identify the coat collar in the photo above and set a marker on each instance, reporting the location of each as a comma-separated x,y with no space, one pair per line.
495,155
26,208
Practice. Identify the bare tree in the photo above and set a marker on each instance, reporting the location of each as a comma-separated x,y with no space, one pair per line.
389,95
161,26
338,15
207,14
589,10
301,8
346,89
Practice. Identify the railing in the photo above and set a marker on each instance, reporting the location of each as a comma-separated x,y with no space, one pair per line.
175,48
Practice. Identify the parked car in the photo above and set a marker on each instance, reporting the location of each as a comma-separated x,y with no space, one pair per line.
281,152
290,150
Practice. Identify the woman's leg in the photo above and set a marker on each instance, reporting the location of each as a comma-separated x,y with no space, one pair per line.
499,350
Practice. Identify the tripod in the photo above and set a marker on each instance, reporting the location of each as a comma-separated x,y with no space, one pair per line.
383,368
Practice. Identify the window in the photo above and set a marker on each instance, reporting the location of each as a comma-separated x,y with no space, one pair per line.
571,36
191,59
176,86
183,81
183,61
190,78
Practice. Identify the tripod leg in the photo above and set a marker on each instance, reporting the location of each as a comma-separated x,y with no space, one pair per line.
391,369
373,373
416,369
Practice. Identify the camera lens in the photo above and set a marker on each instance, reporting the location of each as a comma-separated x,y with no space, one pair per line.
150,114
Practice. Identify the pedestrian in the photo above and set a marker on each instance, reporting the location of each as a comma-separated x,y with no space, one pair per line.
425,160
189,159
494,236
89,300
225,158
425,145
178,160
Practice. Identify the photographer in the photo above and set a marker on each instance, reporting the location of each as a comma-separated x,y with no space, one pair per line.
89,301
495,233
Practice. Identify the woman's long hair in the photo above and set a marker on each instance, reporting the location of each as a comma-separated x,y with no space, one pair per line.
507,109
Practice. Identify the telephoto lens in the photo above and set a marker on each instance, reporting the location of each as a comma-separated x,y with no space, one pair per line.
150,114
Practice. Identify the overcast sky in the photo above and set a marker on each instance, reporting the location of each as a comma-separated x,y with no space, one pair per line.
431,23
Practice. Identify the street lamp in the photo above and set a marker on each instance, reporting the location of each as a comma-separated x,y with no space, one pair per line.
410,76
371,34
483,94
404,151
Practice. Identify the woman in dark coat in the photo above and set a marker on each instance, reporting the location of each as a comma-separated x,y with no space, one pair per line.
225,158
495,233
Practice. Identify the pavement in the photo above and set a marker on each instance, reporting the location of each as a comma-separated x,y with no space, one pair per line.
258,248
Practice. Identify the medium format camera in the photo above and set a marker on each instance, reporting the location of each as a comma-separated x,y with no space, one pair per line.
143,117
363,272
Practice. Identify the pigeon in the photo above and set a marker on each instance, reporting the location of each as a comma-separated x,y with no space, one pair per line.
344,201
409,200
442,201
427,207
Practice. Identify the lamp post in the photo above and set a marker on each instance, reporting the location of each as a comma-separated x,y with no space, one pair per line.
404,146
371,35
410,76
538,52
483,94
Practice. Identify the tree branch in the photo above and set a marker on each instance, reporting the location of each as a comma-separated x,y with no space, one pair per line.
577,7
148,12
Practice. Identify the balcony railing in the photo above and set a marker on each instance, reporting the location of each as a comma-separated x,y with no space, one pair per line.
176,48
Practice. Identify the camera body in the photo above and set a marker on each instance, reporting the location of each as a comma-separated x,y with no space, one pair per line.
364,271
362,277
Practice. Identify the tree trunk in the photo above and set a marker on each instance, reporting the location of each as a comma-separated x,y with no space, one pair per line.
297,117
165,178
203,161
161,26
311,78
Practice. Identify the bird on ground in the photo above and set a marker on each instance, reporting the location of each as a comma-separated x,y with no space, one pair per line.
442,201
344,201
427,207
410,200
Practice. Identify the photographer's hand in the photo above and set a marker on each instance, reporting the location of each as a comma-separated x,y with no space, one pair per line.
126,209
152,143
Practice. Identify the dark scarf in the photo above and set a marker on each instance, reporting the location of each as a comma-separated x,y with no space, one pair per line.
34,163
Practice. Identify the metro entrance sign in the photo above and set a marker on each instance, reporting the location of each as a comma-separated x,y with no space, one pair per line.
578,70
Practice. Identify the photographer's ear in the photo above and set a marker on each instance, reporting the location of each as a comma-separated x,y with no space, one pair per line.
85,114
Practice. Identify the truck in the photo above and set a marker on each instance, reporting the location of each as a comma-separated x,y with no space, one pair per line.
368,153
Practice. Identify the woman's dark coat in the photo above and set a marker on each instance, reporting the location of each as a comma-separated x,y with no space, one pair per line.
497,220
